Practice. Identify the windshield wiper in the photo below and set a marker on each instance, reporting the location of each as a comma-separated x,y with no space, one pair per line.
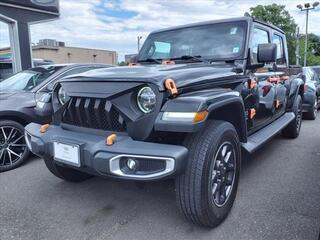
159,61
189,57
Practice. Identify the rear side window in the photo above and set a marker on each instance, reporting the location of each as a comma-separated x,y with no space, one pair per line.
259,36
280,52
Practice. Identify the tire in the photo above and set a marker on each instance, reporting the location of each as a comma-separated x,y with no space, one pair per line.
293,129
65,173
194,188
312,115
13,148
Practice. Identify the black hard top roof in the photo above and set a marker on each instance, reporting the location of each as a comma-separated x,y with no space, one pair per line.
247,19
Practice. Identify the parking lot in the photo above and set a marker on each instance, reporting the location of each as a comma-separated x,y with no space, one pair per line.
278,198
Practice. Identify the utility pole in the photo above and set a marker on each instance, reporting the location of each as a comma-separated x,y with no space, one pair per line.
139,39
306,39
307,7
297,48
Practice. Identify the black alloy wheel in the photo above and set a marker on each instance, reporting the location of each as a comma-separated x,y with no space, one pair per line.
13,148
223,173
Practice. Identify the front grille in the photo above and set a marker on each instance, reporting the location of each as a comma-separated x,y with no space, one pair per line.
93,113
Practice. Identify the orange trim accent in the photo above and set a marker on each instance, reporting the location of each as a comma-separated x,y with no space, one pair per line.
171,86
262,70
134,64
252,83
111,139
275,80
168,62
284,78
44,128
276,103
200,116
252,113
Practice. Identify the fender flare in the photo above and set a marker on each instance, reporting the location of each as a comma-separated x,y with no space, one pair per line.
221,101
296,87
15,116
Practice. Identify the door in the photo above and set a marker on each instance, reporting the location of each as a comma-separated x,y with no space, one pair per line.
266,90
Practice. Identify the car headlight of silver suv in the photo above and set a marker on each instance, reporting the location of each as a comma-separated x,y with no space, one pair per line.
146,99
63,96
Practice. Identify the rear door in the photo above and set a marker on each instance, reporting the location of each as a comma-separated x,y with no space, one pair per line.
280,89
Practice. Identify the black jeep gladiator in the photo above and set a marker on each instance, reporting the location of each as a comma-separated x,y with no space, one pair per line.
197,97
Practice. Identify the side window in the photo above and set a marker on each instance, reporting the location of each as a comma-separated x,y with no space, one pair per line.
259,36
280,53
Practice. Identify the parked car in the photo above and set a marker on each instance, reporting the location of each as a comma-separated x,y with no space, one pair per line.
197,97
26,97
316,69
311,93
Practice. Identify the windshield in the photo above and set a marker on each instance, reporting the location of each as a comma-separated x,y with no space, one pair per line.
28,79
220,41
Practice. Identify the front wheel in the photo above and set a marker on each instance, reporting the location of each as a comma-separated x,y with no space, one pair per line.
207,189
13,148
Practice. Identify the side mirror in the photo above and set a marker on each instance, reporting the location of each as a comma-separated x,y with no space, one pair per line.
267,53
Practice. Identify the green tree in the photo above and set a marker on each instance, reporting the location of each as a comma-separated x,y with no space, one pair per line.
122,63
278,16
313,57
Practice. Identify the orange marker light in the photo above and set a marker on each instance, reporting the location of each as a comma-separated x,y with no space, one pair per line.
44,128
171,86
111,139
200,116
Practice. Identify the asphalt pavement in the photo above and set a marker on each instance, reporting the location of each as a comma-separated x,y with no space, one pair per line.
278,198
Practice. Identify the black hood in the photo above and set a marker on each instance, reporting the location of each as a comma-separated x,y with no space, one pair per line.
183,74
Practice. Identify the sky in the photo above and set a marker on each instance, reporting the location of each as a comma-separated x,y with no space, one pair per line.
115,24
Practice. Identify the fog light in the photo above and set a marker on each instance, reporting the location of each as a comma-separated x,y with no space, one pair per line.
131,164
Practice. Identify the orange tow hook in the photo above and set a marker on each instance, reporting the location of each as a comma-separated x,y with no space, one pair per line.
111,139
44,128
170,85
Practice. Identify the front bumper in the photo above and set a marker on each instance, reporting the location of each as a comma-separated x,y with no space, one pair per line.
160,160
307,107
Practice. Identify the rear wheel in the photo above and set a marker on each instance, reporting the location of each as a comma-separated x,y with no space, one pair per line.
207,189
13,148
65,173
293,129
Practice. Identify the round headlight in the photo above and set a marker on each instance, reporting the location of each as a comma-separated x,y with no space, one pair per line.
63,96
146,99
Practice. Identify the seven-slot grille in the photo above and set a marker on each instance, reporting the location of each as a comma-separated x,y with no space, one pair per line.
93,113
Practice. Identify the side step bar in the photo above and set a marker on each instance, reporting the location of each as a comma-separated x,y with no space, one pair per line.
263,135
